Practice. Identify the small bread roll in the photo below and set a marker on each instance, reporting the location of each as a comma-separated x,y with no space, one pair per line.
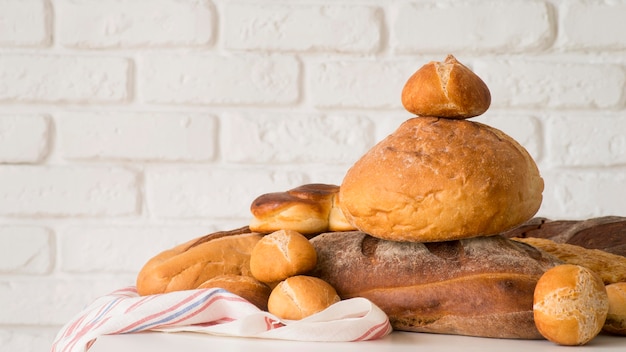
446,89
301,296
616,318
570,305
282,254
243,286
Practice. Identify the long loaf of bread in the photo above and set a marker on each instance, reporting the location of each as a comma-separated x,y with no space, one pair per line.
478,287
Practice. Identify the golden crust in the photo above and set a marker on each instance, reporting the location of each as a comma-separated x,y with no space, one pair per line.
446,89
188,265
308,209
244,286
570,305
440,179
282,254
300,296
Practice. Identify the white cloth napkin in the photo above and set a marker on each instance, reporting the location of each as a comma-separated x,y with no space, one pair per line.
218,312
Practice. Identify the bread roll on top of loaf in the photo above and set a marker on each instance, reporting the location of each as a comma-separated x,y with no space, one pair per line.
446,89
437,179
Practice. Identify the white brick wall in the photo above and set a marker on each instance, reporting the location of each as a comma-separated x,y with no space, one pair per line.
128,126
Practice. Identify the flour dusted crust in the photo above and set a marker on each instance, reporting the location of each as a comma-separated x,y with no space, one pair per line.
437,179
570,305
481,286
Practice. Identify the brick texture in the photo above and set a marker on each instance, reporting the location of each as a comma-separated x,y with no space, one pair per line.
37,78
129,126
283,27
67,191
137,136
461,26
24,23
24,138
219,79
144,23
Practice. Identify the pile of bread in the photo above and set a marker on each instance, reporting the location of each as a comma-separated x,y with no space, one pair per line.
416,227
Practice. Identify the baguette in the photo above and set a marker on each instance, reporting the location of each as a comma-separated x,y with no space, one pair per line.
190,264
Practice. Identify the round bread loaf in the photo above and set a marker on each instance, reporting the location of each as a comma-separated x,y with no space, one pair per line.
446,89
282,254
301,296
616,318
570,305
246,287
439,179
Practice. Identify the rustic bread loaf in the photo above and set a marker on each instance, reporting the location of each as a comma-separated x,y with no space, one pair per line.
190,264
439,179
481,286
446,89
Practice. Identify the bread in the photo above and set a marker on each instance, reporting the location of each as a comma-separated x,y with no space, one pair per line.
616,318
570,305
245,287
301,296
282,254
307,209
607,233
190,264
439,179
610,267
446,89
481,286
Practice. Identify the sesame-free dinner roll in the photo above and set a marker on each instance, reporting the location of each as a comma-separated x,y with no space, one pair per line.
282,254
570,305
300,296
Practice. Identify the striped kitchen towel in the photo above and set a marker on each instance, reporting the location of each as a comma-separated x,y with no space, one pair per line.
218,312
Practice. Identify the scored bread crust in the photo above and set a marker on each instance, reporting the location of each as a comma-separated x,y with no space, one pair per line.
446,89
481,286
438,179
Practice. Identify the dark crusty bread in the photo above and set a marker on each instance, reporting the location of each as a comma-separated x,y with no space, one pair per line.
607,233
478,287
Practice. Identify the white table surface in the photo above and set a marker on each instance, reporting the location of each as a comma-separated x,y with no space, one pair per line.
396,341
